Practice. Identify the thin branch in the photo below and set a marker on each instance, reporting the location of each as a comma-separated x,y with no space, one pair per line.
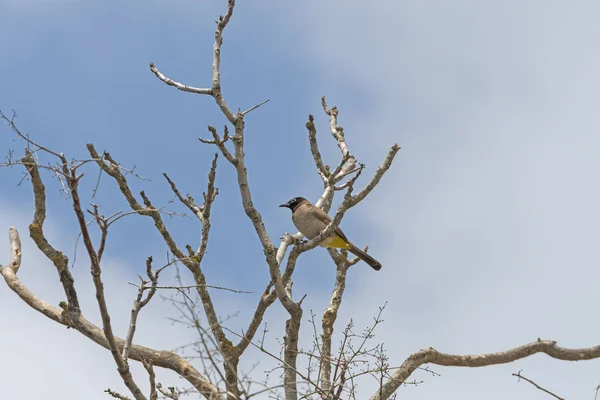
201,212
13,126
171,394
243,113
387,163
518,375
52,168
193,287
116,395
103,225
338,133
220,143
111,167
314,147
189,306
273,356
351,180
209,199
127,171
266,299
178,85
216,67
188,200
138,304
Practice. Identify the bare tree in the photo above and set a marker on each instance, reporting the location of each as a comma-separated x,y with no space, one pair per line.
326,370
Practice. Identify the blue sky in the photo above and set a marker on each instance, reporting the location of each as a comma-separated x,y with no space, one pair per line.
486,225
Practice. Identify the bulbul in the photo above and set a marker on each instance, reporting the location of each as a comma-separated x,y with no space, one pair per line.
311,220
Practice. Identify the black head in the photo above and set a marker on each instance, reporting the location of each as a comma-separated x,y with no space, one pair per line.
294,203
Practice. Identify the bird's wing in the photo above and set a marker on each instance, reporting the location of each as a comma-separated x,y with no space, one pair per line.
323,217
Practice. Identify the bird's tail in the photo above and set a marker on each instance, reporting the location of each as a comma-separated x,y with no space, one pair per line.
376,265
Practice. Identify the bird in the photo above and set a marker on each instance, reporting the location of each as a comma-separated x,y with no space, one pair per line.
311,220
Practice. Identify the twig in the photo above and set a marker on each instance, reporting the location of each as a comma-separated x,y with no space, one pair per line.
11,123
338,133
111,167
220,143
171,394
387,163
216,67
193,287
518,375
255,107
128,171
314,147
178,85
262,349
116,395
138,304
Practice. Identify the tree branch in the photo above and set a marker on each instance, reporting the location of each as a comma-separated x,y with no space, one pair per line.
180,86
116,395
314,147
36,231
338,134
15,249
433,356
220,143
171,394
111,167
328,321
96,271
152,378
518,375
387,163
138,304
159,358
230,357
216,67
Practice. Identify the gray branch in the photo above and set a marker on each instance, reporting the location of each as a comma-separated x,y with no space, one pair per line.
433,356
159,358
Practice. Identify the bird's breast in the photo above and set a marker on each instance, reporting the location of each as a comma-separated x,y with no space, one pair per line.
309,227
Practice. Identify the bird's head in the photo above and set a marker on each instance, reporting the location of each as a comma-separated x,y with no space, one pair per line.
294,203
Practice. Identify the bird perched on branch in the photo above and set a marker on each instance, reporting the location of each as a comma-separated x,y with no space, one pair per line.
311,220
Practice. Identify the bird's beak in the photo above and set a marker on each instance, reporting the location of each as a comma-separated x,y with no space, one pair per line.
284,205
